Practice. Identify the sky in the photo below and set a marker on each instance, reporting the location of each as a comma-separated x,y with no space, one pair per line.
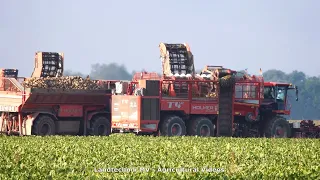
250,34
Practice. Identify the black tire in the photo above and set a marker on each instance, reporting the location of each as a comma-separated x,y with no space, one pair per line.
278,127
201,126
227,81
170,123
101,126
43,126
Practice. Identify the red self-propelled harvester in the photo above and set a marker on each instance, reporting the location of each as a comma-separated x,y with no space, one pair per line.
179,102
32,111
216,102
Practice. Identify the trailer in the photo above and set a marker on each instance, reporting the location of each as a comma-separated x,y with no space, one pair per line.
38,111
54,112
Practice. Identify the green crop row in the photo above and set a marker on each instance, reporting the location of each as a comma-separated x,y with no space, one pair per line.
141,157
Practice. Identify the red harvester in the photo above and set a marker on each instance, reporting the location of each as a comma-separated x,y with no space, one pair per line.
216,102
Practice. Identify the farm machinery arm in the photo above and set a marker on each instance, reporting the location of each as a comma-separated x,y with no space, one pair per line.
48,64
178,62
176,59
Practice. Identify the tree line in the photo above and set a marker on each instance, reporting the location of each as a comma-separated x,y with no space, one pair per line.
308,106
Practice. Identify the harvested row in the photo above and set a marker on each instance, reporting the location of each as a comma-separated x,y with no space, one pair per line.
166,158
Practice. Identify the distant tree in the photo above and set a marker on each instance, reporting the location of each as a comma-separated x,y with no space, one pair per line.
275,75
71,73
111,71
298,77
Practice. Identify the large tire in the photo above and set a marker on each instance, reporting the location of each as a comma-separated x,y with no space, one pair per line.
101,126
277,127
227,81
43,126
173,126
201,126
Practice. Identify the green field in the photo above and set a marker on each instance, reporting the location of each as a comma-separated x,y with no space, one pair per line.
183,157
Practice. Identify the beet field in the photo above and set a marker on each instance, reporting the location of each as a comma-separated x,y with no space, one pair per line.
142,157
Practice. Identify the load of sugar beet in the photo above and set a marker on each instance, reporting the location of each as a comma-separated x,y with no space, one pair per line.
64,82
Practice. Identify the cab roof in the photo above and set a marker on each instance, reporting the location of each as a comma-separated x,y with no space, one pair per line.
276,83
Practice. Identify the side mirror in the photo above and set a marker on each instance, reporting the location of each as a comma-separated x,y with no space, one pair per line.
297,92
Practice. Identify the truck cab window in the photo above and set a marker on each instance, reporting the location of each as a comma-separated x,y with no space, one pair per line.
281,94
268,92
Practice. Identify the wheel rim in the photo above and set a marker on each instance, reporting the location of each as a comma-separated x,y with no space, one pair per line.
45,129
204,130
101,129
280,131
176,129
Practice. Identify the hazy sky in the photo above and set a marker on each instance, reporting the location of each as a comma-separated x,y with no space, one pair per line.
239,34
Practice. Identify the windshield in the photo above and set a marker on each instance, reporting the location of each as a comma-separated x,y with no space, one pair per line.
281,93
